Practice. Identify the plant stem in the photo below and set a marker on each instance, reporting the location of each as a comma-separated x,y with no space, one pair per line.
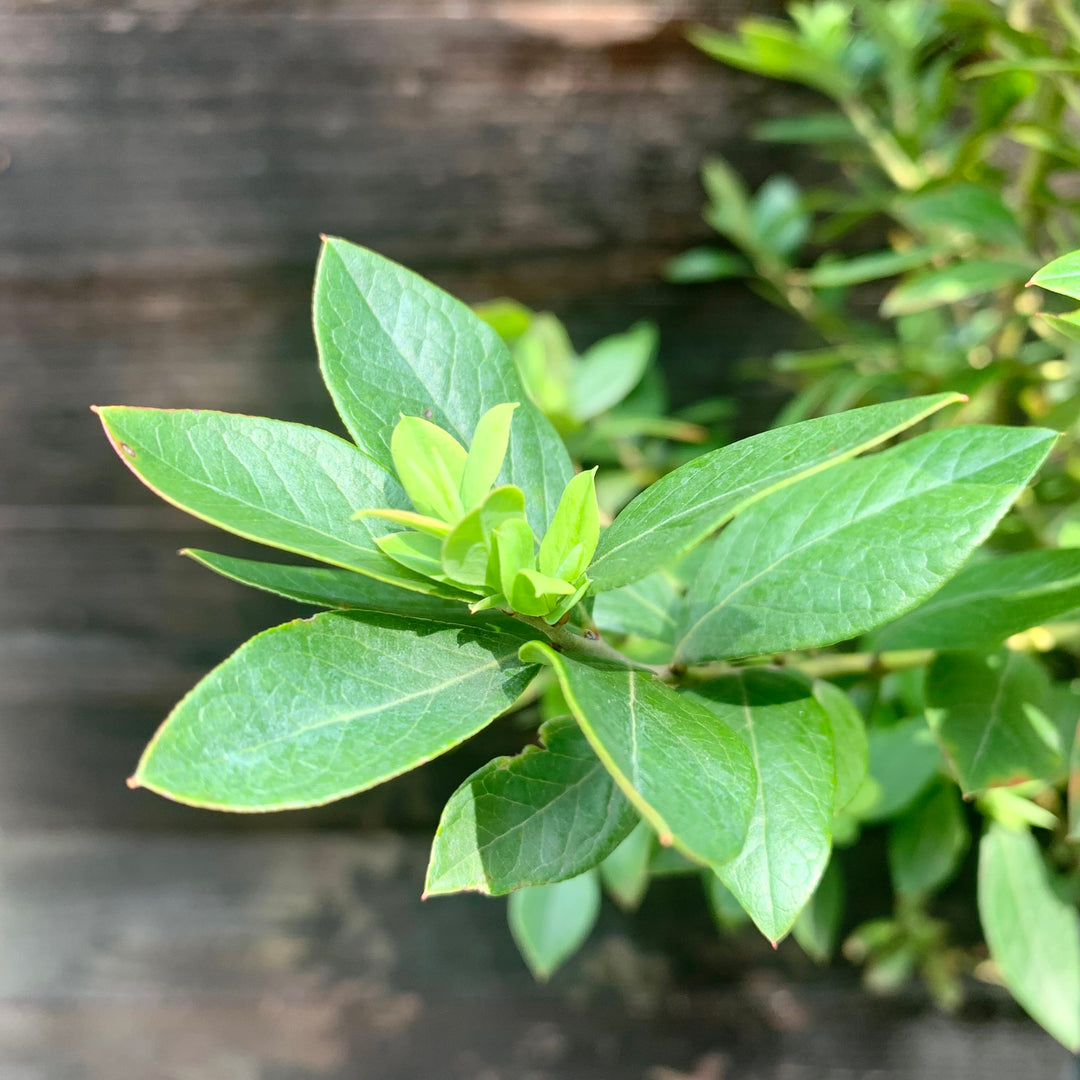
823,667
906,174
567,639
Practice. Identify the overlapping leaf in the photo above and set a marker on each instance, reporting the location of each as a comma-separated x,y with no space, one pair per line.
551,922
548,814
989,601
684,507
324,587
790,741
285,485
392,343
988,712
687,773
324,707
843,552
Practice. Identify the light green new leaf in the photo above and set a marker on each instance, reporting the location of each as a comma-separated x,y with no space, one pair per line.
1067,324
645,608
846,551
988,711
551,922
687,773
533,593
416,552
952,284
989,601
927,842
285,485
903,760
487,452
430,463
610,369
675,514
548,814
391,343
513,550
1033,934
571,538
465,551
328,588
850,746
325,707
625,872
790,742
1061,276
818,925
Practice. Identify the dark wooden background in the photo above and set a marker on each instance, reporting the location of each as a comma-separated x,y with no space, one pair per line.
165,169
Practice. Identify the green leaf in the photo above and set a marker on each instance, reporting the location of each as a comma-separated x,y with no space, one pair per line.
285,485
989,601
324,587
681,509
988,713
1062,276
780,223
927,842
487,452
951,285
625,872
325,707
729,210
392,343
1074,786
961,212
850,549
727,912
610,369
430,463
507,318
903,759
551,922
408,519
818,925
687,774
787,846
548,814
646,608
571,538
705,264
1068,324
536,594
465,552
418,553
513,549
838,273
1033,934
850,746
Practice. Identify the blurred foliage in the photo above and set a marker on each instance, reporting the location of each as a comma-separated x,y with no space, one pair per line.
948,136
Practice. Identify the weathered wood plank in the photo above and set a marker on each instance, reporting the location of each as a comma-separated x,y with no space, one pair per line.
140,137
166,958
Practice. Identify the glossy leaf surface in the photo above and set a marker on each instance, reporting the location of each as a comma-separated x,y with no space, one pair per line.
324,707
286,485
790,742
686,771
681,509
989,601
391,343
550,813
845,551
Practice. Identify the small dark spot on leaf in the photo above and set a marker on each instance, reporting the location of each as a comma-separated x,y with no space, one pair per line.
428,414
127,450
590,635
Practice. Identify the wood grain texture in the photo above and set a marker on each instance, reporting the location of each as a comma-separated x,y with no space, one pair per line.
168,958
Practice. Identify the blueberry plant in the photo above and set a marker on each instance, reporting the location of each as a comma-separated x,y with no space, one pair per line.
691,721
945,175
